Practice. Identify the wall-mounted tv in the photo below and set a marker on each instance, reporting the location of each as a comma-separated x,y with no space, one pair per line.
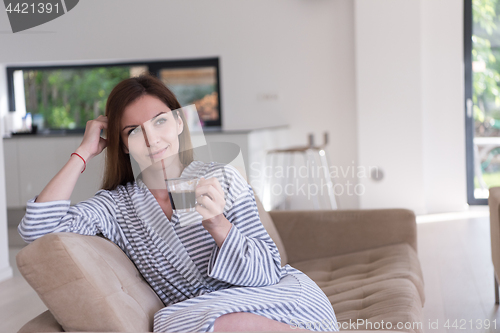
65,97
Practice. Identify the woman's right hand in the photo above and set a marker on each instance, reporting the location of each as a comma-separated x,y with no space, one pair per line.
93,144
63,184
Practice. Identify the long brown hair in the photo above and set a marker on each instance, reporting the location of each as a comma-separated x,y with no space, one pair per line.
118,169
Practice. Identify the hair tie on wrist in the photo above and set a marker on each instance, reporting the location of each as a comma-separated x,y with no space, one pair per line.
84,163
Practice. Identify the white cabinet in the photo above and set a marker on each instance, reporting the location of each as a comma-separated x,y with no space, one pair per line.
11,173
32,161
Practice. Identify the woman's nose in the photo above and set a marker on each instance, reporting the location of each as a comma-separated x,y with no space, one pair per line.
151,137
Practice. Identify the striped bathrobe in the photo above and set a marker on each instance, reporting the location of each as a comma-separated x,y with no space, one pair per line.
197,281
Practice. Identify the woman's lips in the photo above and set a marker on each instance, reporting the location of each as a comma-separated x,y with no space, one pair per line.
158,153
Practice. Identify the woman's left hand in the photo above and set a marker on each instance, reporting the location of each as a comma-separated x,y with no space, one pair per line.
210,205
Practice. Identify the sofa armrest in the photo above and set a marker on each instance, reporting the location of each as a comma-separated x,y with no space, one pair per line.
321,234
494,205
89,284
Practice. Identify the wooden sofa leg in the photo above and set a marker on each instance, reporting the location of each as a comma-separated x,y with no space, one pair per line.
496,290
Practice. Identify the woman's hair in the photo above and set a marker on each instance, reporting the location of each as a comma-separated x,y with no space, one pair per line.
118,169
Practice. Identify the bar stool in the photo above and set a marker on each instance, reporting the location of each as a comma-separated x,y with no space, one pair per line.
311,153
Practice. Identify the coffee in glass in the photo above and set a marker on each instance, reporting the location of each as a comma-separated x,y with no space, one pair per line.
182,194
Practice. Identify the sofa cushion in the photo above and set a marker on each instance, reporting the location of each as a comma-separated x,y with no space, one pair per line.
88,284
384,283
44,322
393,302
350,271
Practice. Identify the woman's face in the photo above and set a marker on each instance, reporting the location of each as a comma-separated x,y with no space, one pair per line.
150,131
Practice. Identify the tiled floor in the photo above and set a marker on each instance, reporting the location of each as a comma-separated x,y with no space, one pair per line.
456,261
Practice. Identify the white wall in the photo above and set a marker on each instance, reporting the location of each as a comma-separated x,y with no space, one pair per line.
5,269
301,50
443,105
410,103
389,101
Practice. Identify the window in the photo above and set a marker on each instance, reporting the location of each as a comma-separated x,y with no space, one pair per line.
482,97
66,97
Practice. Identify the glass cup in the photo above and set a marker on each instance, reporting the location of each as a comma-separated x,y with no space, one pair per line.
182,194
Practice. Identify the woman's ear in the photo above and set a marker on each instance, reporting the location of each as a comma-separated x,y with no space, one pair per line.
180,124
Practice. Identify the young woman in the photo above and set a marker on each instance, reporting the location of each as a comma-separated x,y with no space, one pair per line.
222,271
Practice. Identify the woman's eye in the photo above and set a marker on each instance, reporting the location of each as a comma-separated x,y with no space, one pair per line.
134,130
160,121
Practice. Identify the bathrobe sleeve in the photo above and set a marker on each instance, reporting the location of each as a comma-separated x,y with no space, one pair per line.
89,217
248,256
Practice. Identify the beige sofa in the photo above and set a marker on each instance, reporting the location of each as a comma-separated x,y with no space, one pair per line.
364,260
494,205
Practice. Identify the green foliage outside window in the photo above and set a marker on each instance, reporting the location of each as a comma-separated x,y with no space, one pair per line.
486,77
68,98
